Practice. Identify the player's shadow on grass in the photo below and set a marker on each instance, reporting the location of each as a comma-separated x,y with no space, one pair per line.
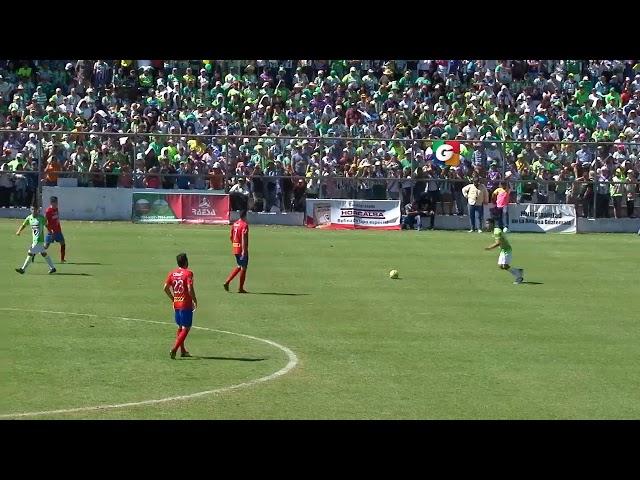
84,263
237,359
532,283
279,293
76,274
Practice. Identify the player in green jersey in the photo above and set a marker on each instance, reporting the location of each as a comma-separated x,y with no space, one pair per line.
37,222
504,260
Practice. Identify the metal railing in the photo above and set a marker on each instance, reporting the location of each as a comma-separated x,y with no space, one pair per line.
592,198
318,180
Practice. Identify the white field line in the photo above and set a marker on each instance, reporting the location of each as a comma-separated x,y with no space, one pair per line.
293,361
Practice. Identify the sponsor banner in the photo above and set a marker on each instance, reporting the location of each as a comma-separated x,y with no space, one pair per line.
202,208
534,217
155,207
353,214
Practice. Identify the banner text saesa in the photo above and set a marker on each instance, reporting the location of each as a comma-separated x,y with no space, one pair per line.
156,207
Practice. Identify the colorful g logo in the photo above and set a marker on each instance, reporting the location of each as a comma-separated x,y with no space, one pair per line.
447,152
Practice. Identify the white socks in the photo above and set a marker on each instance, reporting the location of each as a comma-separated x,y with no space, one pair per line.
26,262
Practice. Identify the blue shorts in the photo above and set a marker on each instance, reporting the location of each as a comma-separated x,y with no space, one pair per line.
54,237
184,318
242,261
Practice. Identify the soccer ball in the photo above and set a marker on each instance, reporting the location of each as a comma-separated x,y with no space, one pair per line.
393,274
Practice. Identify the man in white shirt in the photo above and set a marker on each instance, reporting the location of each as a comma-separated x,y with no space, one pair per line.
72,99
469,130
518,131
239,195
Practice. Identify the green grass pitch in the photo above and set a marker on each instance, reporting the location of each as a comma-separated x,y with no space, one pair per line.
452,338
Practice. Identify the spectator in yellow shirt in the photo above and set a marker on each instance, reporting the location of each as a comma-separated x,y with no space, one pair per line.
521,163
477,197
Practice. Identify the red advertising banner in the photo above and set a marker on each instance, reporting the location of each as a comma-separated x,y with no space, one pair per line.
155,207
210,209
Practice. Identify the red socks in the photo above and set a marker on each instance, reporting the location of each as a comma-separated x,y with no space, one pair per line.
182,349
180,340
243,275
233,274
62,251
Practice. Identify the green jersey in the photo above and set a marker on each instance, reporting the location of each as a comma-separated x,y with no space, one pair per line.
501,237
37,225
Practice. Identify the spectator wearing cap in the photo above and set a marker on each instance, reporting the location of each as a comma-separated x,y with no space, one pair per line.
185,171
58,98
616,191
370,81
40,96
300,76
216,177
239,194
139,171
259,156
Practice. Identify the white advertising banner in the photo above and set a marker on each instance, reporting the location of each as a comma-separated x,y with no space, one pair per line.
353,214
536,217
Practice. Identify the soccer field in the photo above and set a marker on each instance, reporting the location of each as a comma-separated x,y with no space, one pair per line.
324,334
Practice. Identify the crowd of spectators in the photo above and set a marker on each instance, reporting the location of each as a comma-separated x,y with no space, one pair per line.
289,129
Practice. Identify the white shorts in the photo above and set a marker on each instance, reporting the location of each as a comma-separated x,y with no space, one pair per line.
35,249
504,259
